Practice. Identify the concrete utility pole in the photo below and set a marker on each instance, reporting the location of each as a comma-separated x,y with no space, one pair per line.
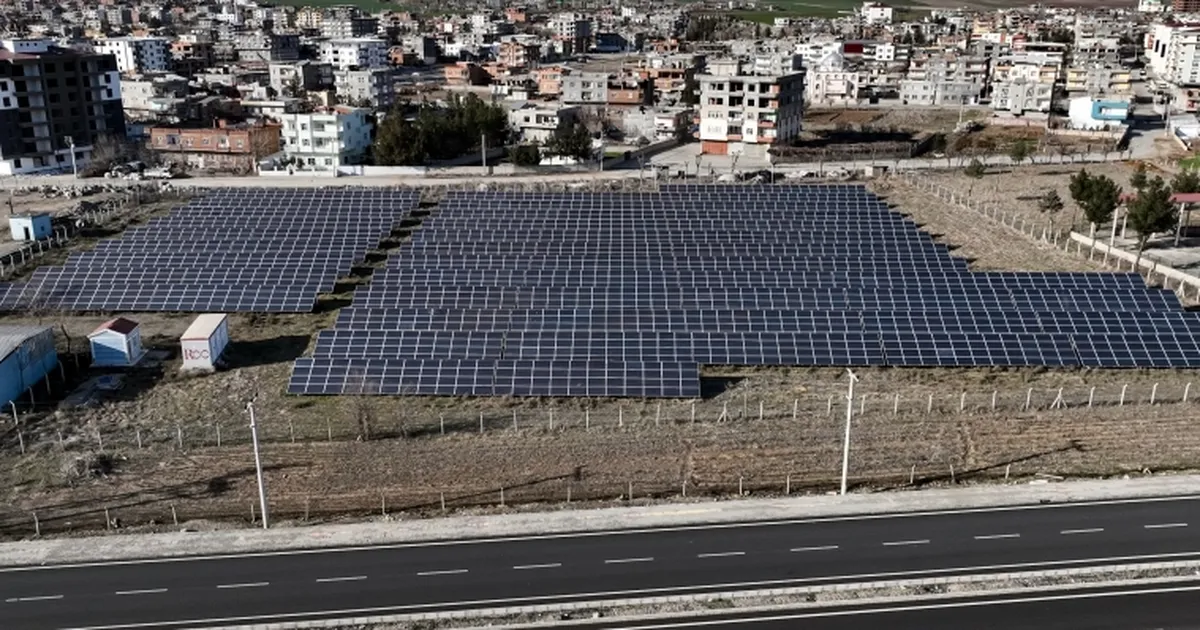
262,486
74,166
483,148
846,441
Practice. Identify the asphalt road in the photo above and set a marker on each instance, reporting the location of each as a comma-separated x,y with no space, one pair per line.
190,592
1174,606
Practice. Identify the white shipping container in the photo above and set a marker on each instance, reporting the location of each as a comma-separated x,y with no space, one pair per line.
204,341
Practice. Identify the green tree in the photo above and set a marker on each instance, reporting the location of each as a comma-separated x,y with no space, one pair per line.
1186,181
526,155
975,170
1139,179
571,140
1151,212
1096,195
410,136
1019,152
1051,202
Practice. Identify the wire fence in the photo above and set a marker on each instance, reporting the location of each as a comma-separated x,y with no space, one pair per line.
367,418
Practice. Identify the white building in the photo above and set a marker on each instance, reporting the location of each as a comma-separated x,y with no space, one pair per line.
831,82
537,123
327,139
876,13
1090,113
361,52
743,112
1020,96
1174,53
136,55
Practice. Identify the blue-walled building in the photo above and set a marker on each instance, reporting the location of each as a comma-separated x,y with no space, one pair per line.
28,356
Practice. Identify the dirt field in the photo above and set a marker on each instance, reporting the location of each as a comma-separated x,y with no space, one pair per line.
912,119
153,444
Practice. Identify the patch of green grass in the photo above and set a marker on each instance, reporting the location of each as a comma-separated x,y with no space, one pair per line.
1192,162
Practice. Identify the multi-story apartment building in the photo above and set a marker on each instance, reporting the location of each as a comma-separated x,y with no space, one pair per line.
585,88
136,55
667,74
518,54
54,102
360,52
1021,95
1099,80
263,46
833,82
349,27
573,31
371,87
742,112
308,76
191,54
329,138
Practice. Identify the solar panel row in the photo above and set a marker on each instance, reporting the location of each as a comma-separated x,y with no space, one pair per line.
261,250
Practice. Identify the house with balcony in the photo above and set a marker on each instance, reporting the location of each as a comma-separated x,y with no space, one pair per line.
226,147
536,123
327,138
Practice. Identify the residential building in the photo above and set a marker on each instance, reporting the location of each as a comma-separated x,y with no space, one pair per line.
265,46
191,54
360,52
1174,53
1098,80
288,79
585,88
833,82
54,102
549,80
372,87
876,13
939,93
147,96
1021,95
537,123
136,55
27,355
224,147
1185,6
743,112
466,73
329,138
573,31
516,54
349,27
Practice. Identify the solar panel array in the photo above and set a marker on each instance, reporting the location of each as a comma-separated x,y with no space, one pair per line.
247,250
626,294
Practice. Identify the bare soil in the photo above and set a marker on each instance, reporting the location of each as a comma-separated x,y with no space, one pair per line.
169,442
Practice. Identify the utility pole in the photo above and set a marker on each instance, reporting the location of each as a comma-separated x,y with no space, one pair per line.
483,148
846,441
262,486
74,166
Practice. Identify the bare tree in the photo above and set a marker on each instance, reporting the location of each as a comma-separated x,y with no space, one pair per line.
358,389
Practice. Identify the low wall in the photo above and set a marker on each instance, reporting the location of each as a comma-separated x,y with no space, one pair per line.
1151,266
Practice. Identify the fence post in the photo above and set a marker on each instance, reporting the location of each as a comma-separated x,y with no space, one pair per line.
929,404
587,419
741,493
21,440
179,436
291,430
862,404
552,419
218,435
1187,389
138,433
501,496
1028,398
175,515
993,400
693,412
37,525
796,408
657,414
1123,388
442,498
442,424
620,416
328,429
912,475
1153,393
683,489
962,402
787,485
515,420
895,404
629,492
481,422
760,411
1091,395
